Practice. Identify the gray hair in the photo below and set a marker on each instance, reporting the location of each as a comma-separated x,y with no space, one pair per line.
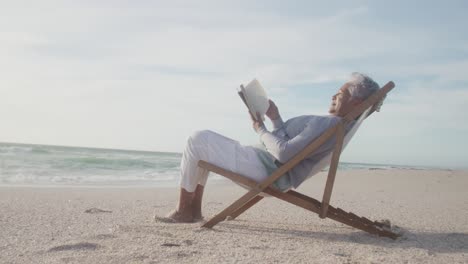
362,87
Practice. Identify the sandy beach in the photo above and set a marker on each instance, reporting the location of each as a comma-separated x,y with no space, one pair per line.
116,225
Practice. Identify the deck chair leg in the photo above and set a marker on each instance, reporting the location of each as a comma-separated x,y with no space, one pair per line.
332,171
337,214
245,207
230,209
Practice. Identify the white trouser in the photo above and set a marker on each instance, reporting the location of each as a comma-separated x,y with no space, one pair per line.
220,151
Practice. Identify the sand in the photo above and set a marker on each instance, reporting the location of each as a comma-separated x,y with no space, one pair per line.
115,225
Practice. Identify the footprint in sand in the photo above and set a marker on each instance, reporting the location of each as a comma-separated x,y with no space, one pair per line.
104,236
95,210
78,246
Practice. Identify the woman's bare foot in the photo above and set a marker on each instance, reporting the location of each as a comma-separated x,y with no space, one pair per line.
175,217
198,217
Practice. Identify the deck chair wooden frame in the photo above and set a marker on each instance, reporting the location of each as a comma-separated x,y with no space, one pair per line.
323,209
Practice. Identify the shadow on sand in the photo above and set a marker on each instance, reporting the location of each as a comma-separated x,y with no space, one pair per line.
431,241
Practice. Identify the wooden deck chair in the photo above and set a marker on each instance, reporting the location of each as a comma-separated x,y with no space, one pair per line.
323,209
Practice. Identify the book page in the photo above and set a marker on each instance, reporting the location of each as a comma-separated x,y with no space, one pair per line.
256,98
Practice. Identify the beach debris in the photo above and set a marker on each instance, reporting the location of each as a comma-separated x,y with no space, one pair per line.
188,242
104,236
170,245
78,246
95,210
385,224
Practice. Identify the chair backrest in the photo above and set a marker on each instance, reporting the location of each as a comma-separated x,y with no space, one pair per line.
362,111
326,160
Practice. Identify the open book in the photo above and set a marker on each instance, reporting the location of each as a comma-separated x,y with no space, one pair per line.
255,98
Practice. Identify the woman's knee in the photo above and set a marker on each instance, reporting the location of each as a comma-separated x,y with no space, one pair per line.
199,137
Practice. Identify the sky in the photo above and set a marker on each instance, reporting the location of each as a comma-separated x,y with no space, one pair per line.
145,75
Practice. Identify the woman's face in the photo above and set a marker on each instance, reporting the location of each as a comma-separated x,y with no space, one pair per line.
342,102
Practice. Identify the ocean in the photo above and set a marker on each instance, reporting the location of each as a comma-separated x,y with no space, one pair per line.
42,165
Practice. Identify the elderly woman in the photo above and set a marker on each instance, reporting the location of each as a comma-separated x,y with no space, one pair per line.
281,144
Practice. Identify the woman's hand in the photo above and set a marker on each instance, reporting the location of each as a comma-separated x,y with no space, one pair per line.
272,112
258,123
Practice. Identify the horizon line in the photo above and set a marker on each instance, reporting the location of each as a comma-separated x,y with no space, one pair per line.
401,166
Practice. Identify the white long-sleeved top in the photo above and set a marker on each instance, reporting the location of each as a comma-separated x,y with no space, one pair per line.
289,138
